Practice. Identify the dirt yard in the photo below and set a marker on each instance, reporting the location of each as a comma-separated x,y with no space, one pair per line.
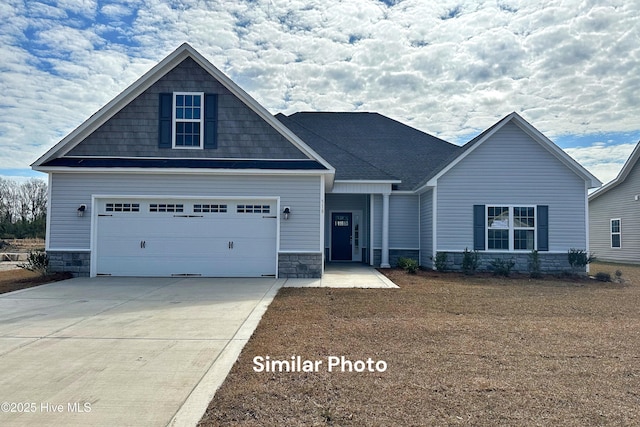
459,350
14,280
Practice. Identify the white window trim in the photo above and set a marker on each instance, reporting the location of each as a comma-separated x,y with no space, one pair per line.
619,233
511,227
174,121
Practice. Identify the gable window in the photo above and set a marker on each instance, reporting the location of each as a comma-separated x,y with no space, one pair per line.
188,120
511,228
616,233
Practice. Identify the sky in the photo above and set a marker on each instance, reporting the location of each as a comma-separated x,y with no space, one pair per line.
450,68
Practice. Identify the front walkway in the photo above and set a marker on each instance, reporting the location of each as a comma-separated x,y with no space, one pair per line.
345,275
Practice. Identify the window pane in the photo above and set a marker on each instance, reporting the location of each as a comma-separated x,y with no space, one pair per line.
179,100
498,239
615,240
196,113
498,217
524,240
196,100
615,226
188,100
524,217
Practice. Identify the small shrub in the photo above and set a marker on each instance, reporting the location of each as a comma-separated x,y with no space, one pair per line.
408,264
469,261
603,277
534,265
502,267
440,261
578,259
618,274
37,262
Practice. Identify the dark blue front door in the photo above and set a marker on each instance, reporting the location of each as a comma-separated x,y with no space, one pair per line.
341,236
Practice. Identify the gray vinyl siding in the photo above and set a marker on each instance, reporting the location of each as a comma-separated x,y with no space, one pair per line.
511,169
619,202
301,232
133,131
404,221
426,228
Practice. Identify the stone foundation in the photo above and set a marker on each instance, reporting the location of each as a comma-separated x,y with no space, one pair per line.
76,263
298,266
549,263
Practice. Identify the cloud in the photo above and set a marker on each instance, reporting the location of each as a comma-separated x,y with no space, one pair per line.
603,160
450,68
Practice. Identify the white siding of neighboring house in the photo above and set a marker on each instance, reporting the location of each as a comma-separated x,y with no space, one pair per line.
301,232
426,228
511,169
619,202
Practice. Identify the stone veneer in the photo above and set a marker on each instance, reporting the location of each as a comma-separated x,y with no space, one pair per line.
76,263
549,262
394,255
289,265
299,265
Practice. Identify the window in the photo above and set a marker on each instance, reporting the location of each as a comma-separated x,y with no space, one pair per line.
166,207
188,120
511,228
616,232
265,209
498,224
122,207
209,208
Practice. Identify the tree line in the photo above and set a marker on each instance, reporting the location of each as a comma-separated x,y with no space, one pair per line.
23,208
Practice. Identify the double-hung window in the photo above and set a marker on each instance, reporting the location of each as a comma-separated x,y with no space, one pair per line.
511,228
188,129
616,233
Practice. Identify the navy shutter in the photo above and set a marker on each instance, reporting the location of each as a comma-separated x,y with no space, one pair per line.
164,129
543,228
478,227
210,121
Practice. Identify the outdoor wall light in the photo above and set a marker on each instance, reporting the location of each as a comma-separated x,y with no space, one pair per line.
81,210
286,211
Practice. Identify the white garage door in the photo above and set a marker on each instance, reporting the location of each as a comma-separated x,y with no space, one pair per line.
173,237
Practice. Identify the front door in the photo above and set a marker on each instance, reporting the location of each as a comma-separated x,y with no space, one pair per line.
341,244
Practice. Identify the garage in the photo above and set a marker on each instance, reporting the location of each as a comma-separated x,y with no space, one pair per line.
186,237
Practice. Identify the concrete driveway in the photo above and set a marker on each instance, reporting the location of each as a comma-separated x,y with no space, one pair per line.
123,351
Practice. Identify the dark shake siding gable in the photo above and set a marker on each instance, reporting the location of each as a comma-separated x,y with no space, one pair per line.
134,130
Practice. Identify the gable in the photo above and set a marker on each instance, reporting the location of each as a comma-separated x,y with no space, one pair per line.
509,157
133,131
525,133
628,172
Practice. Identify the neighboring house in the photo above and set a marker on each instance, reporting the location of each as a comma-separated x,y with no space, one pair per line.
184,174
614,215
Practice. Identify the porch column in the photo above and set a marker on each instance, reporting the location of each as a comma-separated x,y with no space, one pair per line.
384,262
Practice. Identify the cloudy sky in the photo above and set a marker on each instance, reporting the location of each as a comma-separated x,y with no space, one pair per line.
449,68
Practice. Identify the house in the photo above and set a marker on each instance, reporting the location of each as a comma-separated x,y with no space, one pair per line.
184,174
614,215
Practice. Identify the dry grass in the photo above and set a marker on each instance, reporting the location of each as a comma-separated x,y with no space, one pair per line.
478,351
14,280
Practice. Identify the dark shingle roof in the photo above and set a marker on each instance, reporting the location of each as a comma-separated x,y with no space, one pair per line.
369,146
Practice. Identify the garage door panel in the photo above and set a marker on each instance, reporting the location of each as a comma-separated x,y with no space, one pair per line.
146,243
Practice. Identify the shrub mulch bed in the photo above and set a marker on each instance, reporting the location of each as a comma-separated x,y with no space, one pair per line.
460,350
